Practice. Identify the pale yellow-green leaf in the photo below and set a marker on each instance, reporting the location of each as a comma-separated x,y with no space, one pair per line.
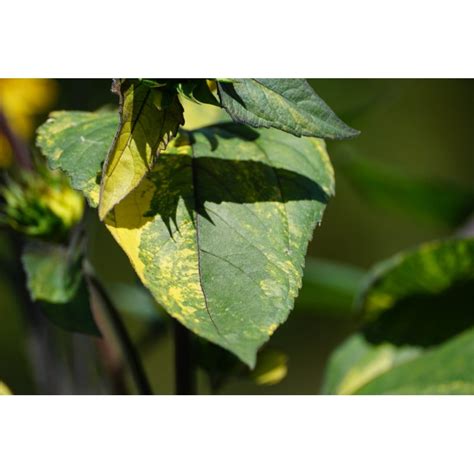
202,115
149,118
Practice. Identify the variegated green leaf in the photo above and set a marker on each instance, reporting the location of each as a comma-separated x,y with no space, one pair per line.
77,143
422,296
444,370
219,228
356,362
149,118
290,105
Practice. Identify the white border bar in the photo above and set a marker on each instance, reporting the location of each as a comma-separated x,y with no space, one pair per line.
377,434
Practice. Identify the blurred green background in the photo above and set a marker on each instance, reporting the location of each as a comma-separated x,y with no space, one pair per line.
421,127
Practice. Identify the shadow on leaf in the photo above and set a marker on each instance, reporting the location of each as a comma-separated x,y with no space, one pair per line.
202,180
425,320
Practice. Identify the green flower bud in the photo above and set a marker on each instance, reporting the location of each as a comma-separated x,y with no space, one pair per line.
40,204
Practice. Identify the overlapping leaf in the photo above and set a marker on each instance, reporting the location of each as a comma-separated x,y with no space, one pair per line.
290,105
149,118
218,229
422,296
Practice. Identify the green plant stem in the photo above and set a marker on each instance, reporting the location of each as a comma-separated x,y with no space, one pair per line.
185,369
129,354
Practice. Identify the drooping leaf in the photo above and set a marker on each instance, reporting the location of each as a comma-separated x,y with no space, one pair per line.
196,230
388,187
445,370
290,105
329,288
422,296
77,143
149,118
54,278
356,362
219,229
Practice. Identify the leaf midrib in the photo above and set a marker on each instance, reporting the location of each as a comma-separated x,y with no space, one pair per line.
198,244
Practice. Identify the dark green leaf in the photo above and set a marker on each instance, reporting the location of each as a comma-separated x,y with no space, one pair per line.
53,272
290,105
422,296
54,278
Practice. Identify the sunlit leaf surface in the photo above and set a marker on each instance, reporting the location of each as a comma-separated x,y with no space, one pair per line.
149,118
445,370
356,362
290,105
218,230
